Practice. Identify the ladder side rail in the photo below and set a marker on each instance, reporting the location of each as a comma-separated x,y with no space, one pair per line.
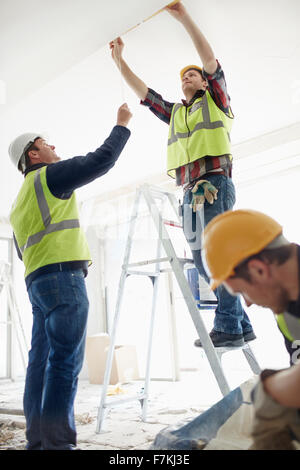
173,328
155,281
149,349
251,359
113,333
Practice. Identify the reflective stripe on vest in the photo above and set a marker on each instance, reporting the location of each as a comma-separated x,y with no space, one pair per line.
197,131
205,124
46,217
46,227
289,326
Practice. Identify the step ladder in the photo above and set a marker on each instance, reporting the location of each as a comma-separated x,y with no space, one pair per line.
14,318
153,197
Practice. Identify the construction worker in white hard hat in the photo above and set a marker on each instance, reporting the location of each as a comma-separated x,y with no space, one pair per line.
246,252
198,158
56,256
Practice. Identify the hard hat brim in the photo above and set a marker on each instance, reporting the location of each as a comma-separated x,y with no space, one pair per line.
190,67
214,284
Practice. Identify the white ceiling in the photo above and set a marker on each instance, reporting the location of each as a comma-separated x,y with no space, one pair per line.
59,76
42,39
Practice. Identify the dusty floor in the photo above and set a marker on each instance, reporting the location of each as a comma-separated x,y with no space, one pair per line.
170,403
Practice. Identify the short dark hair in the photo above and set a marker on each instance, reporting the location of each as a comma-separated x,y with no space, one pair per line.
273,256
27,158
197,70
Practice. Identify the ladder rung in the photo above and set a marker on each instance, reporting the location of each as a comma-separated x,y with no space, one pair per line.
142,273
142,396
150,261
158,260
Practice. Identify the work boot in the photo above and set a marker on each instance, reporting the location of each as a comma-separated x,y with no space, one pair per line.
220,339
249,336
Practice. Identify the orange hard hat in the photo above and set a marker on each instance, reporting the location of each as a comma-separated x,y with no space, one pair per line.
232,237
189,67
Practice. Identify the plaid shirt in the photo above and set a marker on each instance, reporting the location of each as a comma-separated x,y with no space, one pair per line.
163,109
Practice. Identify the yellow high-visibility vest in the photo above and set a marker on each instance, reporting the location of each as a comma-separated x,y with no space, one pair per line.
46,228
289,325
197,131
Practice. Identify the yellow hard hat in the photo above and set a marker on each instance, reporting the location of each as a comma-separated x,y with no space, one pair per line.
188,67
232,237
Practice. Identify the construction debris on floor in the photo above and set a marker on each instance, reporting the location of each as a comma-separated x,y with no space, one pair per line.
180,416
123,429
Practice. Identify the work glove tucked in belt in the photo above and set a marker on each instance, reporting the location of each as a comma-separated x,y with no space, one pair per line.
203,190
274,426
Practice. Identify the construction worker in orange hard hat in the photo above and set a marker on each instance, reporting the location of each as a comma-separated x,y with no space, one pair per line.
198,158
245,251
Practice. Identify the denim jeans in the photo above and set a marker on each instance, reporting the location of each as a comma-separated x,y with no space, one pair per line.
230,316
60,310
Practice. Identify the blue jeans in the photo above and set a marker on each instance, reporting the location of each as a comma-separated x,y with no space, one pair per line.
230,316
60,310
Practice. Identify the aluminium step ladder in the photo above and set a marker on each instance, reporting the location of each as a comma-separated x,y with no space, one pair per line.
152,196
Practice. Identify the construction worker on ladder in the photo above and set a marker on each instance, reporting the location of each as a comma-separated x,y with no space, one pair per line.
246,252
199,158
54,249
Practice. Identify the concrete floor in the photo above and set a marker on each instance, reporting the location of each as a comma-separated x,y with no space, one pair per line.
170,403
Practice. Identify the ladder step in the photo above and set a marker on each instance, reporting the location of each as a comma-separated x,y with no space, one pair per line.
141,396
150,261
159,260
142,273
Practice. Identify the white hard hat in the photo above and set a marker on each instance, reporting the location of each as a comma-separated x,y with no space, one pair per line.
19,146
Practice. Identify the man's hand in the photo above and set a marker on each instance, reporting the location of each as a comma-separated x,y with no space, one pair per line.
177,10
116,48
124,115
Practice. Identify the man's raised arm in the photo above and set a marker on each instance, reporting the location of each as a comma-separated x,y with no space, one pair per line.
135,83
203,47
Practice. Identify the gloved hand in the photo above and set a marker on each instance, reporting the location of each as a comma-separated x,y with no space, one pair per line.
274,426
203,190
